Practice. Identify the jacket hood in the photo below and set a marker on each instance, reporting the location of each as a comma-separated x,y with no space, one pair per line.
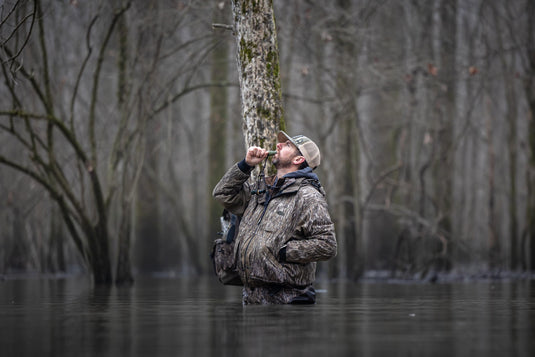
306,173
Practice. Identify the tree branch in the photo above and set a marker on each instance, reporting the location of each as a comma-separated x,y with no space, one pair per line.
185,91
25,42
224,27
96,78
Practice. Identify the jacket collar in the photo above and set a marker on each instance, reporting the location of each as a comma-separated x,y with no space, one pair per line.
305,173
289,183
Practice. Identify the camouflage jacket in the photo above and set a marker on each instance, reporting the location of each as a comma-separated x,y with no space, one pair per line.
292,214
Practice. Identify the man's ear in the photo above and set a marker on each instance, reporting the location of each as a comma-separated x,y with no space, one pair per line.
298,160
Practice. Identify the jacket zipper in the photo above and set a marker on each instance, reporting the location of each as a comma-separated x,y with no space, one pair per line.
246,250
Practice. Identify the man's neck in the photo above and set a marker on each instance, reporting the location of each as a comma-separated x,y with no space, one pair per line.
284,171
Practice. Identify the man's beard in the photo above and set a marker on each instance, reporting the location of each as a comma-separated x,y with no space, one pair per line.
281,164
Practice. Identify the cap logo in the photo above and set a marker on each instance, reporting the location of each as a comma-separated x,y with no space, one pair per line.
300,139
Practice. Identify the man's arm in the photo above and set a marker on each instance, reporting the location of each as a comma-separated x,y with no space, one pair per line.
233,190
319,241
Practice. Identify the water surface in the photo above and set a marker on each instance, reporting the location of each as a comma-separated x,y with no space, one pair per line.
199,317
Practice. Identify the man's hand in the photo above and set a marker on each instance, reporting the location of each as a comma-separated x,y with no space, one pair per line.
255,155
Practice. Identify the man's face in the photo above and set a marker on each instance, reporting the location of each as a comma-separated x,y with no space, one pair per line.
286,152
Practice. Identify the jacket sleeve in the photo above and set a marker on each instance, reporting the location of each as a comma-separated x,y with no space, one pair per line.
233,191
318,240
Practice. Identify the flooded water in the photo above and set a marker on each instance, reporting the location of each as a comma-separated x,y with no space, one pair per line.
199,317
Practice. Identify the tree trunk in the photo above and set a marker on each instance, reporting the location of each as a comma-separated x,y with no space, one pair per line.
123,272
218,121
148,231
123,275
529,86
511,115
258,70
444,14
493,239
101,264
16,258
348,211
56,256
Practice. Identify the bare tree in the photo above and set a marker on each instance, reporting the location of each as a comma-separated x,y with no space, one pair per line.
85,139
39,128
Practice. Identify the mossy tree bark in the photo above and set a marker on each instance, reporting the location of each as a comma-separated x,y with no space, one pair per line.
258,70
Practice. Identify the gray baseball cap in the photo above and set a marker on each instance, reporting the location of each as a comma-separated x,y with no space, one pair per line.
308,148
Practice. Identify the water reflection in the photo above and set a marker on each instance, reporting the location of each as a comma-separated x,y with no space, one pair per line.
186,317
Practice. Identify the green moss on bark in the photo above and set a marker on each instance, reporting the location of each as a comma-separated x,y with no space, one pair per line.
246,52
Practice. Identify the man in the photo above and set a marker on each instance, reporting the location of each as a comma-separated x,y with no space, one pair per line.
285,226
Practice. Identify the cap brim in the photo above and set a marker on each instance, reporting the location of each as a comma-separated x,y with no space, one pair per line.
282,137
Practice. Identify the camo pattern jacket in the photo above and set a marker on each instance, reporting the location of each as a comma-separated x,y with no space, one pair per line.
293,215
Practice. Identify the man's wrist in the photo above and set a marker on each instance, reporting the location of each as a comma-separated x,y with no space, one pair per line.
245,167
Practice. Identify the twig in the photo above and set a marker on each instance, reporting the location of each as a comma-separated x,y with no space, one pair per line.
223,26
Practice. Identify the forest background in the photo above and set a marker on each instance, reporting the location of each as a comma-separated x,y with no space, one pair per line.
118,117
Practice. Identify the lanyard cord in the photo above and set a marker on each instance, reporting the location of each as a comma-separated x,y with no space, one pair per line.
260,180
